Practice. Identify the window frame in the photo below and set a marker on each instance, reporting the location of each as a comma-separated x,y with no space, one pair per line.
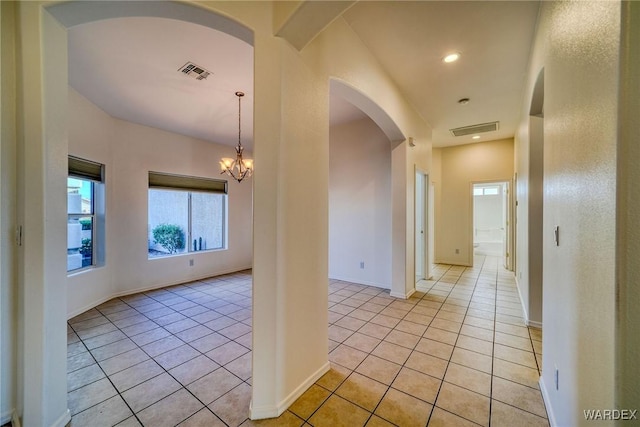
189,184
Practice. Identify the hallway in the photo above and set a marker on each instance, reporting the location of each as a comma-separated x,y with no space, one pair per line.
182,356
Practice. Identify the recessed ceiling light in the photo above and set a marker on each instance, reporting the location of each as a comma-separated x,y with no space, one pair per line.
452,57
475,137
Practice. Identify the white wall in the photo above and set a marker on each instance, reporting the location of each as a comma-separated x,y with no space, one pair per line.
578,46
360,203
129,151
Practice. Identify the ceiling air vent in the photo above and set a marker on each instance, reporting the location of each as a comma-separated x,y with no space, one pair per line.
473,129
195,71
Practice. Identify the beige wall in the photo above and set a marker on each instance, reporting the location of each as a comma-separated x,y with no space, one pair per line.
628,231
459,167
577,44
8,267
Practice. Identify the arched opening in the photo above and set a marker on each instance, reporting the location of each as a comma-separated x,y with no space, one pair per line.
44,300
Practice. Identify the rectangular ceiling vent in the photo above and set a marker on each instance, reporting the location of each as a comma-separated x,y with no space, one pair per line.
473,129
195,71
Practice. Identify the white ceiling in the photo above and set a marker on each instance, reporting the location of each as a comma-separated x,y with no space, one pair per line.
128,67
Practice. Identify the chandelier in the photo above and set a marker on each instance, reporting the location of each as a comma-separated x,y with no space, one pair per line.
237,168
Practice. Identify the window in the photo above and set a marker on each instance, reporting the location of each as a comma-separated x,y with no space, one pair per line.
486,191
85,199
186,214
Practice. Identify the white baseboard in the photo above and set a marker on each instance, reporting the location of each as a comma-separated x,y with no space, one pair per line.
63,420
151,288
6,416
547,403
273,411
525,314
360,282
401,295
534,324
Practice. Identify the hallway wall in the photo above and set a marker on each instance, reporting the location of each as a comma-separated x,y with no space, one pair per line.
129,151
578,44
359,204
459,166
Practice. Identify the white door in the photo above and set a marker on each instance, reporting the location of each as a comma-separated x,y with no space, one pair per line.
420,225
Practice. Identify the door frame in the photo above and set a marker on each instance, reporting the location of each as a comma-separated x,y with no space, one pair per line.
425,224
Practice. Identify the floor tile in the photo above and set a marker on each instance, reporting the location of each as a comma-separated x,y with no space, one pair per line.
338,412
233,407
379,369
89,395
310,400
105,414
362,342
81,377
518,395
135,375
150,391
362,391
202,418
464,403
346,356
503,415
171,410
392,352
403,410
468,378
442,418
435,348
213,385
416,384
427,364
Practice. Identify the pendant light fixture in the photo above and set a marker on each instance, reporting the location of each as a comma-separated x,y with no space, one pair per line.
239,168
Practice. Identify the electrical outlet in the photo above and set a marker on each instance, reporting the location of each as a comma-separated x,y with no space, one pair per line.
457,251
556,378
191,262
362,264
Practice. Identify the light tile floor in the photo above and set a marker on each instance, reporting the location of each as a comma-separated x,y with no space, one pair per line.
456,355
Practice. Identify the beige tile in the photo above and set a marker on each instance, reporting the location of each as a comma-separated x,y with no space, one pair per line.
513,341
310,400
468,378
376,421
503,415
89,395
287,419
535,333
403,410
472,360
213,385
362,314
208,342
476,332
514,355
516,373
227,352
163,345
402,338
427,364
479,322
416,384
537,346
123,361
441,335
112,349
362,342
520,396
81,377
383,320
334,377
346,356
394,312
421,319
337,412
475,344
233,407
79,361
338,333
373,330
411,327
107,414
241,366
435,348
150,391
362,391
464,403
442,418
202,418
135,375
194,333
350,323
177,356
392,352
379,369
171,410
195,368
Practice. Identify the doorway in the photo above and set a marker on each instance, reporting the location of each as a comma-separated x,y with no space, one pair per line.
490,219
421,208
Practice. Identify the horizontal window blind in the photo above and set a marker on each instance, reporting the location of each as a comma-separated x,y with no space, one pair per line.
86,169
188,183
